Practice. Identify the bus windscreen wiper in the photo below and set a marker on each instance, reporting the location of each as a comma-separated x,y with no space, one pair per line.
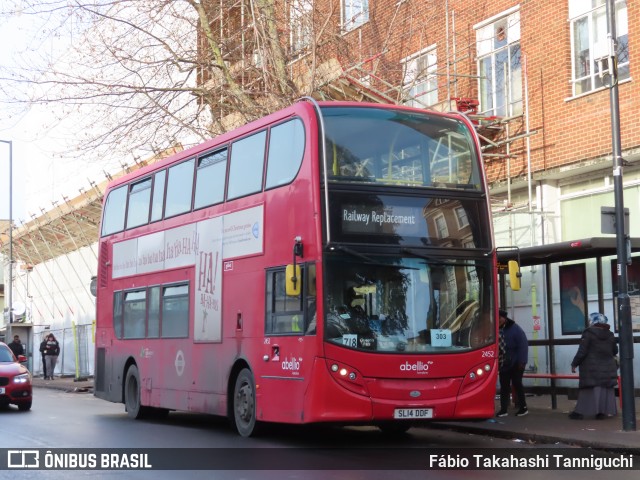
432,260
352,252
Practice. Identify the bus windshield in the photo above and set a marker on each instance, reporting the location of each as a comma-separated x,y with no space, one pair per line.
396,147
407,305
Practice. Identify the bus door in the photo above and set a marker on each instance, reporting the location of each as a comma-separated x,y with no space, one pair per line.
288,343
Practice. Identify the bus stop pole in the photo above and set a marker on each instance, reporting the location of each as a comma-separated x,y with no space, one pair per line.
625,335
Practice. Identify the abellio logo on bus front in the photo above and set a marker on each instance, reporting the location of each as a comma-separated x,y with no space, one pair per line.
419,367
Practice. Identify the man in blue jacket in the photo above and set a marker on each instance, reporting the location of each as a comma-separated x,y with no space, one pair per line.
514,354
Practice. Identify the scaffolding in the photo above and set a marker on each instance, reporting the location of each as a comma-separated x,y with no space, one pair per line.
341,66
361,81
42,244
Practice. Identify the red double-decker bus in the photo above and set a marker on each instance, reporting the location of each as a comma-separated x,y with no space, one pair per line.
331,262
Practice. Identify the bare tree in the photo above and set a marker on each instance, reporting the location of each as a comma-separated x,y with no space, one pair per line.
138,76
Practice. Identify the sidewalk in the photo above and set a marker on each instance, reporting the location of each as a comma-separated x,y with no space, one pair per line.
542,425
68,384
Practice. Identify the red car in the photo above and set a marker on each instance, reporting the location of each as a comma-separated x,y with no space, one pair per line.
15,380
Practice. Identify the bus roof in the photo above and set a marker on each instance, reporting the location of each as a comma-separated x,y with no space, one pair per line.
303,107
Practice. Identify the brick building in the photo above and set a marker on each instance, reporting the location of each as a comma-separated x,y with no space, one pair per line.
532,74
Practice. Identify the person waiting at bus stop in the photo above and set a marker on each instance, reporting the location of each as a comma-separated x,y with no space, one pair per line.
513,357
596,361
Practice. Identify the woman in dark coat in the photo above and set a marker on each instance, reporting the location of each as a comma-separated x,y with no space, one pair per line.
51,352
596,360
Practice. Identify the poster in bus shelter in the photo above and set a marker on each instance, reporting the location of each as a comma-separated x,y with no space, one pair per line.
633,285
573,298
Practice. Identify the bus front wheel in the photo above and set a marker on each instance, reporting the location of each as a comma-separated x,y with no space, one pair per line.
132,394
244,403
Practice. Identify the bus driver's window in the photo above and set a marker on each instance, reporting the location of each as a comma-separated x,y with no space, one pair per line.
284,313
311,300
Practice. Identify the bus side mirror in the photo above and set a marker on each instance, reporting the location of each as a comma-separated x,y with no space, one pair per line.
293,281
514,275
93,286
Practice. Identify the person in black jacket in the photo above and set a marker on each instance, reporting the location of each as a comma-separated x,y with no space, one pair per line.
51,352
16,346
513,357
598,370
43,349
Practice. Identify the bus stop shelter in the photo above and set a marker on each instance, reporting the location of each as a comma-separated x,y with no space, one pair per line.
595,248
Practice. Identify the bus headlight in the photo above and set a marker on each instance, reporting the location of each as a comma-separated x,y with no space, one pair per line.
348,377
476,376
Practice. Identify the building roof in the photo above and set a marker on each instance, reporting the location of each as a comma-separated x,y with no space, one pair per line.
68,226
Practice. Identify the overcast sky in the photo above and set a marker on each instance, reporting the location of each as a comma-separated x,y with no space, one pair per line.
41,175
12,37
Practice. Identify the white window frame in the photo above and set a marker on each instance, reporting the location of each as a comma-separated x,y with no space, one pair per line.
461,217
301,24
420,82
496,37
442,229
354,13
590,63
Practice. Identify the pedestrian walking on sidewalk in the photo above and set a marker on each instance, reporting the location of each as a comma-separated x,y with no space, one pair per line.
598,370
51,352
513,357
43,349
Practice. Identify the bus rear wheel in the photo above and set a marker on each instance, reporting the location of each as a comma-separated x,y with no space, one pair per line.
244,403
132,394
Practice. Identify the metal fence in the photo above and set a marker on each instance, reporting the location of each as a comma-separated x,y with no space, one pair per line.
76,351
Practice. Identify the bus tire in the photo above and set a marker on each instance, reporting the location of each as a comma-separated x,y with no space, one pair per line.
132,400
244,403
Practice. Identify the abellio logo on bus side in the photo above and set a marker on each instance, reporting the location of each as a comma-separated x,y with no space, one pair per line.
292,365
419,367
